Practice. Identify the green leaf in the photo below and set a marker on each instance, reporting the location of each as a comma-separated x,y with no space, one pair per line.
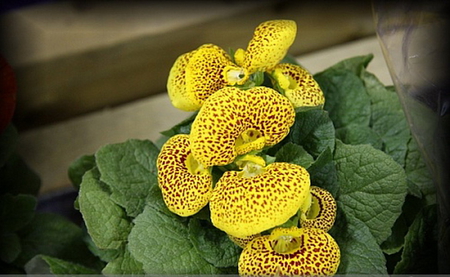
129,169
184,127
356,64
53,235
79,167
106,222
42,264
124,264
420,252
16,211
396,240
295,154
346,97
161,243
359,134
388,119
314,131
213,245
360,253
18,178
105,255
323,172
418,174
372,187
9,246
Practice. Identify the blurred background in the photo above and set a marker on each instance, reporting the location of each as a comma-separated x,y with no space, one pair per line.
74,57
94,72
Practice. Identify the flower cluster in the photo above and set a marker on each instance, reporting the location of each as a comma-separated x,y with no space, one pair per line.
220,163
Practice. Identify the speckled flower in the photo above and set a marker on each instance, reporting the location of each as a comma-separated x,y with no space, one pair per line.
269,45
297,84
234,122
248,202
242,242
322,211
291,251
199,73
186,185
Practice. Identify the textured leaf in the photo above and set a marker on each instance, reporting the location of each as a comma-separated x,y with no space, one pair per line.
420,254
388,119
42,264
124,264
346,97
372,187
323,172
360,253
129,169
163,246
314,131
294,153
79,167
213,245
106,222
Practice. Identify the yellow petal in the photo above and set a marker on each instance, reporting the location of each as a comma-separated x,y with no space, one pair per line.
243,206
269,45
199,73
209,69
186,185
234,122
298,85
176,85
322,211
314,252
242,242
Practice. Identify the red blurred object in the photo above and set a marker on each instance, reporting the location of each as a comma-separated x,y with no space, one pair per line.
8,90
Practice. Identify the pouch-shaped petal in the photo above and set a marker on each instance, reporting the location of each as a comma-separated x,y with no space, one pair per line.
176,85
197,74
310,251
243,206
185,184
233,122
209,69
270,43
298,85
322,212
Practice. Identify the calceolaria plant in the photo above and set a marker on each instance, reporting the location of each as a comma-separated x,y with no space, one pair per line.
275,172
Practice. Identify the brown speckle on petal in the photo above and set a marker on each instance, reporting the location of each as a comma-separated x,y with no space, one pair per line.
244,206
186,185
234,122
322,212
298,85
316,253
270,43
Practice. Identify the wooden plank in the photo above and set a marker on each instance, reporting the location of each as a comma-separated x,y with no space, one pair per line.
68,64
49,150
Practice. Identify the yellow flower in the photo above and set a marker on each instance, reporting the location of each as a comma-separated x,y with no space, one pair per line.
199,73
248,202
234,122
242,242
291,251
322,211
269,45
186,185
297,84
